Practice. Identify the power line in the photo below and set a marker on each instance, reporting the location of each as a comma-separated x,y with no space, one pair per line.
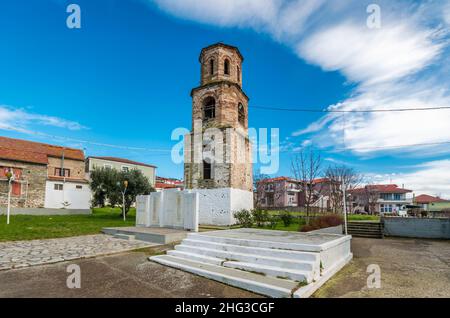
311,110
398,146
386,147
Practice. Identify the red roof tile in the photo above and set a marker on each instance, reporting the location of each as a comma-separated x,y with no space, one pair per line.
424,198
35,152
159,185
382,188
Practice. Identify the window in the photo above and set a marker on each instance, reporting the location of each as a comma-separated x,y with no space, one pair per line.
125,169
211,67
58,186
226,67
78,187
206,170
241,114
238,74
209,108
107,166
62,172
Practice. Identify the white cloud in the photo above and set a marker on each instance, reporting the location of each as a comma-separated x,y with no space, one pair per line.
446,13
370,55
255,13
20,120
430,178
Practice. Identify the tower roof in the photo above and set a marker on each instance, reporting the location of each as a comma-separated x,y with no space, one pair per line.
220,44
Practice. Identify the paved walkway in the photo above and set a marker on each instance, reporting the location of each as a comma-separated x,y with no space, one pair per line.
19,254
128,274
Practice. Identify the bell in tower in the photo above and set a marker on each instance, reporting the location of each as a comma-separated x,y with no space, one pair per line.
218,151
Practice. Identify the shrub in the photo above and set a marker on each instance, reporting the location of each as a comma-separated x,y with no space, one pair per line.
287,218
244,218
260,216
273,222
323,222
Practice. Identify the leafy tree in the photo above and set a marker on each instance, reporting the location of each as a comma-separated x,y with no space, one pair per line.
107,185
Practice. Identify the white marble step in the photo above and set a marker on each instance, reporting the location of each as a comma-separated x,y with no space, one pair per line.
251,258
271,252
196,257
284,245
278,272
269,286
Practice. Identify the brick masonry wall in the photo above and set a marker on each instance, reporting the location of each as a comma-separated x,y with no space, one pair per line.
77,168
219,55
32,196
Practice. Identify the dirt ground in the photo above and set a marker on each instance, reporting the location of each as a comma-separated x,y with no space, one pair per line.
409,268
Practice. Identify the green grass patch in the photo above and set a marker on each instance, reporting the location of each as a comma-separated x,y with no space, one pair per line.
360,217
29,227
294,226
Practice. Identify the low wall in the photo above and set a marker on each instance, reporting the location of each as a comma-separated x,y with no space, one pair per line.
45,211
417,227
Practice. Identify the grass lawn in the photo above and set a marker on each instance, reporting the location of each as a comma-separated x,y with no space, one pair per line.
280,226
28,227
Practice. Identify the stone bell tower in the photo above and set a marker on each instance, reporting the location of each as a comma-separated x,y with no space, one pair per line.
218,150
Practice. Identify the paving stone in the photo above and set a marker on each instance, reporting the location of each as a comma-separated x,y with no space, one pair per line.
19,254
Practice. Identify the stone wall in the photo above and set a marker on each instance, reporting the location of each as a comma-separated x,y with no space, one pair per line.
32,181
234,171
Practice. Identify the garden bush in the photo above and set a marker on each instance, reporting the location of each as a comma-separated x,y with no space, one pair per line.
287,218
244,218
322,222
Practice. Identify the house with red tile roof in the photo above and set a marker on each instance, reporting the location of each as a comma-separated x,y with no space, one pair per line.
45,176
431,203
379,198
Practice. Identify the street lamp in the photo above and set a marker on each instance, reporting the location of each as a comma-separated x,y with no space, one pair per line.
125,186
10,176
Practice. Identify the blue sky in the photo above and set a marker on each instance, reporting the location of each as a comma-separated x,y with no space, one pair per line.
119,85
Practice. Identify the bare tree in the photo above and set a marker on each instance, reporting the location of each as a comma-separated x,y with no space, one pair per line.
306,167
340,178
371,196
258,187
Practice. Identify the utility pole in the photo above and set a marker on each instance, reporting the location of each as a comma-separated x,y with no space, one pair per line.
124,191
10,176
345,206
